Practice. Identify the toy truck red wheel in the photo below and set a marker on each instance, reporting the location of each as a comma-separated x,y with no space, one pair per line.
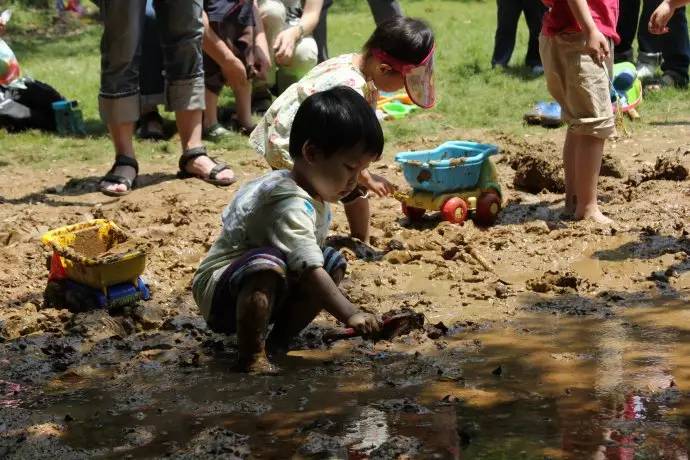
488,207
454,210
413,213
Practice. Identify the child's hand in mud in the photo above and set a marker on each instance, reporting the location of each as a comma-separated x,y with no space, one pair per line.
659,20
364,323
377,184
597,46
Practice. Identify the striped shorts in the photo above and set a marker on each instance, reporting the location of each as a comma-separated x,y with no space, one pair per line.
223,314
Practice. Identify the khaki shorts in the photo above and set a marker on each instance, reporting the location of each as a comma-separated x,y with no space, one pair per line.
578,84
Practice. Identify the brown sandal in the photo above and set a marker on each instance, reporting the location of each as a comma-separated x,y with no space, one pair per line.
196,152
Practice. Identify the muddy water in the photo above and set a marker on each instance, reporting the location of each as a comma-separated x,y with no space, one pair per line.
541,385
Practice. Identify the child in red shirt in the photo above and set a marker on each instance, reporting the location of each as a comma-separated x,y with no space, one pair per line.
576,47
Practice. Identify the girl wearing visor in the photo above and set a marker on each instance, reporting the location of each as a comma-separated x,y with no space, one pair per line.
399,54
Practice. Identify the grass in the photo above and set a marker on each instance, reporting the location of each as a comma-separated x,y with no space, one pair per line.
470,93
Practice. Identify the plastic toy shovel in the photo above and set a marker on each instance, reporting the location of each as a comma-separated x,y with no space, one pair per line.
392,327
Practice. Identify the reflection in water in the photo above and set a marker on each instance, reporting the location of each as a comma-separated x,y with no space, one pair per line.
604,387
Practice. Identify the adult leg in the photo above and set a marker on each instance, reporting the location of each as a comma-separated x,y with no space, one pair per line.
649,44
675,49
507,17
150,124
321,32
384,10
181,32
255,303
303,60
534,14
273,16
627,28
118,100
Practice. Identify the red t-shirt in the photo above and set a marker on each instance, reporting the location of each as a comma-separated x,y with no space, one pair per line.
560,19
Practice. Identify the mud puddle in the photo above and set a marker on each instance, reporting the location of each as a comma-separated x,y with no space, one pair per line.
539,386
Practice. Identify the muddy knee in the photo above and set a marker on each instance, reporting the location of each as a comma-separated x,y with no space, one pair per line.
254,306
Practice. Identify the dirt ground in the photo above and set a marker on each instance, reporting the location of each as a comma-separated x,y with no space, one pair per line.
544,337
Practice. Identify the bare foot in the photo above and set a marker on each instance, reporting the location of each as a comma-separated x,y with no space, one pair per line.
125,171
570,206
257,365
595,214
568,212
202,165
276,350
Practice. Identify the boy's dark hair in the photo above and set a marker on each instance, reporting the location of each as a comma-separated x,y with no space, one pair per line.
334,120
406,39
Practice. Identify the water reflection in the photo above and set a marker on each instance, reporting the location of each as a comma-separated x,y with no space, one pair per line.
604,387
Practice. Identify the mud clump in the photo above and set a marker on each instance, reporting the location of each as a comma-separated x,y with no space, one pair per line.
400,257
217,441
323,445
535,173
554,281
612,167
667,167
670,168
19,322
397,447
405,405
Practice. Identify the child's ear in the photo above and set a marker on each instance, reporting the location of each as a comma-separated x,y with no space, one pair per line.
385,69
309,152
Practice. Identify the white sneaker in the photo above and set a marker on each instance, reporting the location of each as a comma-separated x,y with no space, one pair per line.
537,71
645,71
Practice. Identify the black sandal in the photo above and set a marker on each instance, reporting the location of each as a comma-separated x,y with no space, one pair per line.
196,152
120,160
144,130
237,127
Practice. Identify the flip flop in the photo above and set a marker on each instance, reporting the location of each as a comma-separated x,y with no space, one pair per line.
196,152
120,160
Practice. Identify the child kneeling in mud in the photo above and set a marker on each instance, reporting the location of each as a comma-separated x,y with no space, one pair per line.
269,265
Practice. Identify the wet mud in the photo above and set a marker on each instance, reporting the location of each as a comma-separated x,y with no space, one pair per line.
541,337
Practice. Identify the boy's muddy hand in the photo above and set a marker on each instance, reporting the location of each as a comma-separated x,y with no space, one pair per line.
660,18
364,323
597,46
377,184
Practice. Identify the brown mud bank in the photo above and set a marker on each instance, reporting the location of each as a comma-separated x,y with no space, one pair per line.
544,337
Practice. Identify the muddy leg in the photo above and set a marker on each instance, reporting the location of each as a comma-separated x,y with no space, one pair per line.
588,164
298,311
254,304
357,212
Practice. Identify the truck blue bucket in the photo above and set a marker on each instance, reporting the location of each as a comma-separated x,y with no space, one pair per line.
453,165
